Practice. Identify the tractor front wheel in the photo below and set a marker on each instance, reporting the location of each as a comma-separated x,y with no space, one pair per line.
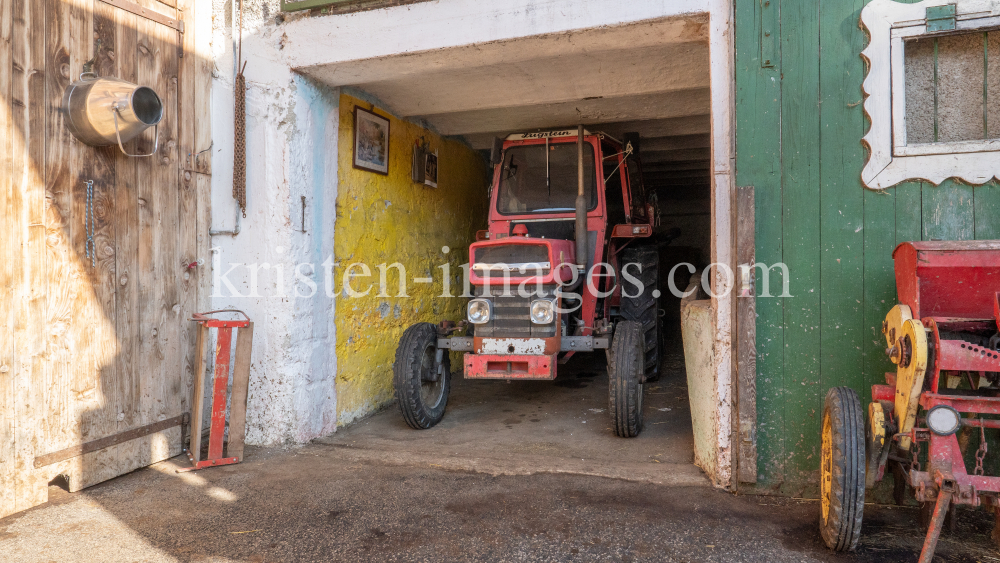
421,380
842,470
625,375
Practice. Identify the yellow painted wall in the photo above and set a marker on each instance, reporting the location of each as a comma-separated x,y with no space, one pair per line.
386,219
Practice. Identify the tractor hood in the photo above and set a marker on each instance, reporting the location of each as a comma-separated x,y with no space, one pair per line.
521,259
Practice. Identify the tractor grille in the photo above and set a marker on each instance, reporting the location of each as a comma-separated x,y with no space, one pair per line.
512,315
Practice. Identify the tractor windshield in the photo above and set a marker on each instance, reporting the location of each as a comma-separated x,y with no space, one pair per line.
530,183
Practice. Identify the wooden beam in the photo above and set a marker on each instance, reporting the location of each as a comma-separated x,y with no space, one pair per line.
148,14
676,142
671,156
76,451
648,166
673,175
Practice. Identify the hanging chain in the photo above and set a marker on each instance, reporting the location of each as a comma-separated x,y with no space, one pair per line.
915,448
240,126
981,452
91,250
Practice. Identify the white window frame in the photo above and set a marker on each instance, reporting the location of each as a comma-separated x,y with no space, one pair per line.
891,160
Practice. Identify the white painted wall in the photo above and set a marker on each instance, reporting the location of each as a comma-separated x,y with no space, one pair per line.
291,131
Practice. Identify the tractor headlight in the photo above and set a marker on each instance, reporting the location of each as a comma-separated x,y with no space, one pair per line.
542,311
944,420
480,311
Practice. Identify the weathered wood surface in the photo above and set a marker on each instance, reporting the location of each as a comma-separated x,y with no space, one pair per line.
241,385
91,351
745,357
10,250
799,130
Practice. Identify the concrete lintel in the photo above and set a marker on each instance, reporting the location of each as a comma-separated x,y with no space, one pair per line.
432,26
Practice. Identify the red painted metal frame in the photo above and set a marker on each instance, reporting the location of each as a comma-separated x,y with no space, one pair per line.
515,367
220,383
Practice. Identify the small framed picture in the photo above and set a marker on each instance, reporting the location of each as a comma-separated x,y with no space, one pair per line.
371,141
431,170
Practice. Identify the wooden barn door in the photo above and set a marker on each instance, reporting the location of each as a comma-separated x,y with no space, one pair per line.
95,348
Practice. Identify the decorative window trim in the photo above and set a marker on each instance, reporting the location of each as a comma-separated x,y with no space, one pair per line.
890,160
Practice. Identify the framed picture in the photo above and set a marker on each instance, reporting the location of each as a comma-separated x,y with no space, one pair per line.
371,141
431,170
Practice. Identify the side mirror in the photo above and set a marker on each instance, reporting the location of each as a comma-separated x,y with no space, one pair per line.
496,155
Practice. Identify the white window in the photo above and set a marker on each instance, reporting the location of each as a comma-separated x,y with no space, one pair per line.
932,91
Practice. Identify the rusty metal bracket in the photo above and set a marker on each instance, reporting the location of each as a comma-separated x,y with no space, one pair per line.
120,438
151,15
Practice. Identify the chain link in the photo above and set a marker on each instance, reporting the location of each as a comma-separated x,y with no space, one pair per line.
91,250
981,452
915,448
240,126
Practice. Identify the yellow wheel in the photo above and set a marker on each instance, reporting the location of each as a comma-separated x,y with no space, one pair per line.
842,470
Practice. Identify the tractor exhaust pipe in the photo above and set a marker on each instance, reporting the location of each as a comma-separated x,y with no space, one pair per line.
581,203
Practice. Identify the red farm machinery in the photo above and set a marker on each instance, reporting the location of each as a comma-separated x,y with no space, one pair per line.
568,219
942,401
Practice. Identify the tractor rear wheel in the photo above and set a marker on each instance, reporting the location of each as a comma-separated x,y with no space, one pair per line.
643,307
625,379
421,382
842,470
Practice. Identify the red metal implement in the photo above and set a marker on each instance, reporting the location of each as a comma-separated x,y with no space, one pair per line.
220,382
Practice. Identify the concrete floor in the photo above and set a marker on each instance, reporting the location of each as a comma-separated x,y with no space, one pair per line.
516,472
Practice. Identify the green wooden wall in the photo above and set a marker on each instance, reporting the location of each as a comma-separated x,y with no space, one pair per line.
798,142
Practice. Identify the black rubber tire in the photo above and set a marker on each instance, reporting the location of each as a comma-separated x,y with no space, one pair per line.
421,409
625,379
843,466
643,308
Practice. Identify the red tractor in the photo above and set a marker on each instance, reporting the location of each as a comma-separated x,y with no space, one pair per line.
944,337
568,219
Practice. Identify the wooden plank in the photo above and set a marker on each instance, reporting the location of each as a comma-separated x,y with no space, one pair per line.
170,269
94,329
114,439
202,111
158,266
28,194
151,11
241,385
198,393
187,231
75,317
123,40
987,210
948,211
758,163
800,176
841,201
9,265
746,340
